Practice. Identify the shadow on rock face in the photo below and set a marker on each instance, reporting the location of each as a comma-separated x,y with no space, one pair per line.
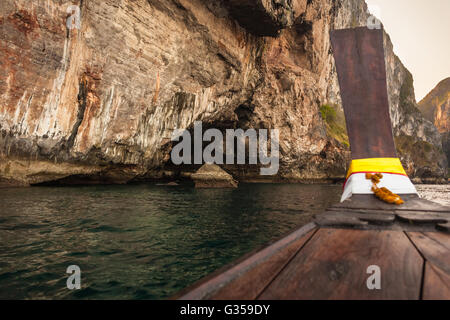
262,17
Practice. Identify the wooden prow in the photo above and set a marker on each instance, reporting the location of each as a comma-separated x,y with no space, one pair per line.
361,69
402,241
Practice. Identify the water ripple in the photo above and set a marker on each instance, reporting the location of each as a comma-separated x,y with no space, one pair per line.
139,241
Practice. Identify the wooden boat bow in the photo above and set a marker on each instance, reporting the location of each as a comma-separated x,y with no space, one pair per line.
330,258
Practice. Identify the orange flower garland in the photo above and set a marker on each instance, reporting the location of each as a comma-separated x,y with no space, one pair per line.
383,193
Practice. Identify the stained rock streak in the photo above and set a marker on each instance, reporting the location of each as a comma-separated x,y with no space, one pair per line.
100,103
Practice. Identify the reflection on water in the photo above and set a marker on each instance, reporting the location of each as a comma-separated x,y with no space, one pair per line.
139,241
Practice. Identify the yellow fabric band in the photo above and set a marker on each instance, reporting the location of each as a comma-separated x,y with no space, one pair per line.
387,165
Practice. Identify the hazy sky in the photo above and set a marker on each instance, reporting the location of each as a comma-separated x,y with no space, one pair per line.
420,32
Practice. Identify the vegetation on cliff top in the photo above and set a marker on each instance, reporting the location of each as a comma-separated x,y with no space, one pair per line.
422,153
435,98
407,101
334,120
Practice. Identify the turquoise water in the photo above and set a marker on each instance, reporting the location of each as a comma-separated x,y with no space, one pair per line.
143,241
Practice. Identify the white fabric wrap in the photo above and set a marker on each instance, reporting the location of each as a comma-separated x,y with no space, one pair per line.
358,184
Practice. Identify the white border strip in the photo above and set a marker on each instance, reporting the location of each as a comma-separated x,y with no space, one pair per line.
358,184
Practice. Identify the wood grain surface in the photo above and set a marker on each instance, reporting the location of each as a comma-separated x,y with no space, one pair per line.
436,283
333,265
360,65
251,283
434,246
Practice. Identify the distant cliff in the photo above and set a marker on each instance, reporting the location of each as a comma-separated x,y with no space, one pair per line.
436,108
99,104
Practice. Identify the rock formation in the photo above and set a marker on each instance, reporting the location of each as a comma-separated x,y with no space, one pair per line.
100,103
436,108
212,176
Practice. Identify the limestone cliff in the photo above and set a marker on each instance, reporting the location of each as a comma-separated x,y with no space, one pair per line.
99,104
417,140
436,108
